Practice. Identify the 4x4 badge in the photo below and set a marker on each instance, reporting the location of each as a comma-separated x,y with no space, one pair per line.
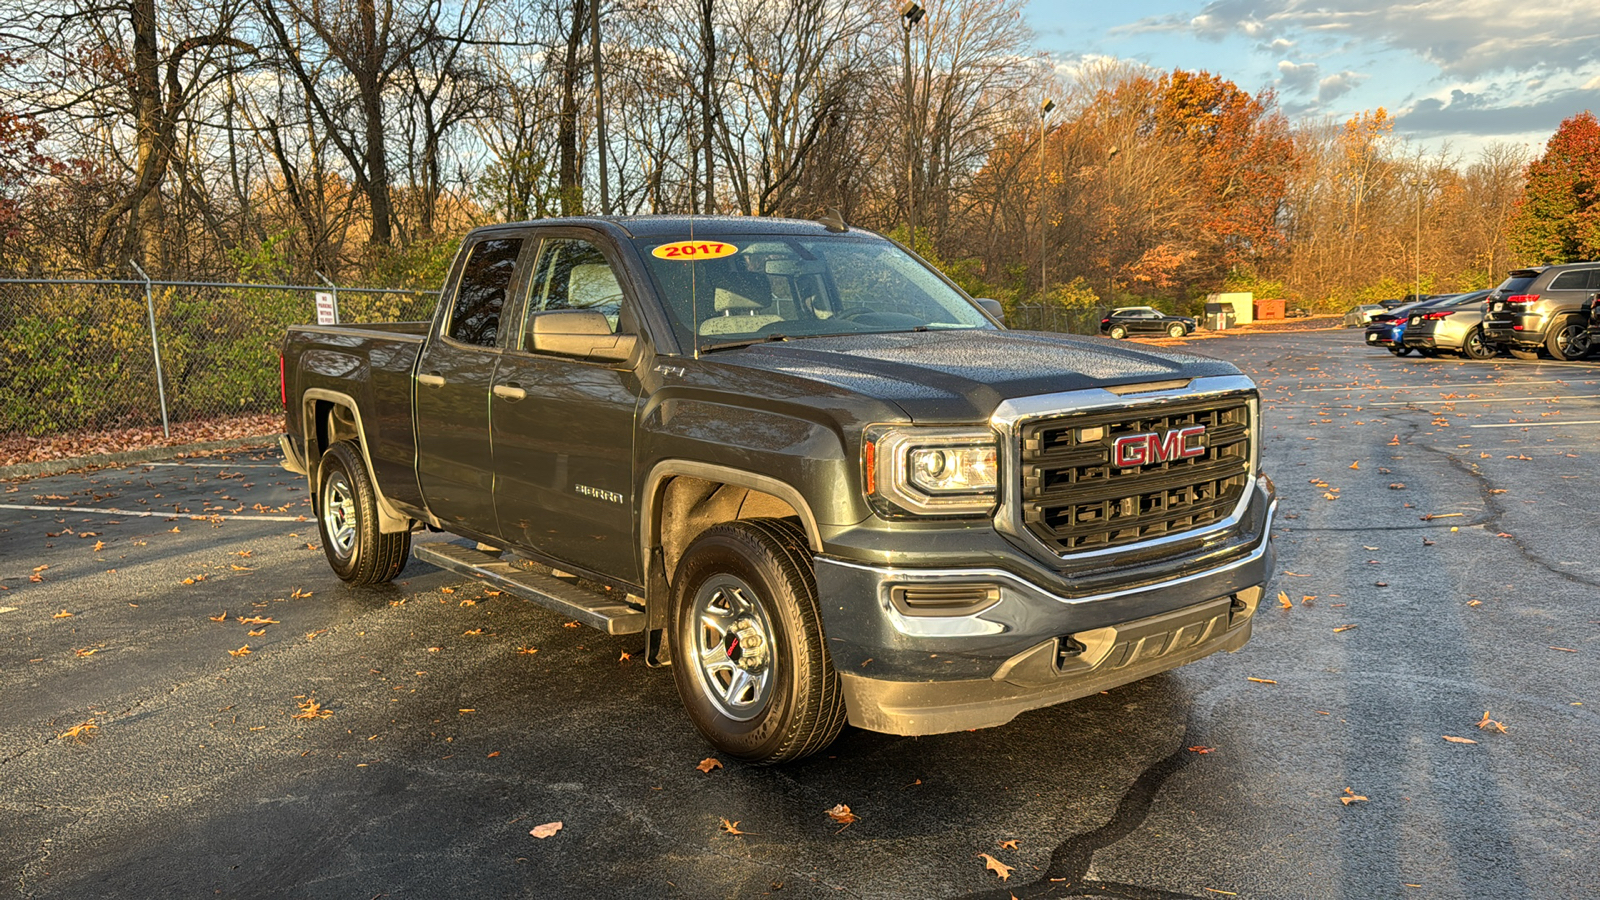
1153,447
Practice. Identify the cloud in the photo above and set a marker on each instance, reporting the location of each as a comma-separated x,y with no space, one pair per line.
1464,38
1335,86
1300,77
1465,113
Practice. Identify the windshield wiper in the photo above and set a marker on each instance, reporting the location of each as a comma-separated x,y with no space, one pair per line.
734,345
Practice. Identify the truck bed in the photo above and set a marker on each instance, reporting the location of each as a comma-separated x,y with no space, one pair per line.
377,362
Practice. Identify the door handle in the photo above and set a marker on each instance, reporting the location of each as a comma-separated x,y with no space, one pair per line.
431,380
509,392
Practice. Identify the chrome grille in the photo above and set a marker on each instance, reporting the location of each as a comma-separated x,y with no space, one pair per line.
1074,500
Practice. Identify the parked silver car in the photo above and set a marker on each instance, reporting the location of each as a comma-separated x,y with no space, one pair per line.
1361,315
1455,326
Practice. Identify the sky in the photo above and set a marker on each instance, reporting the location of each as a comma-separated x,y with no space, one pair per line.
1458,75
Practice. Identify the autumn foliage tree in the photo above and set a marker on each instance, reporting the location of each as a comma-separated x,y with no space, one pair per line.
1558,218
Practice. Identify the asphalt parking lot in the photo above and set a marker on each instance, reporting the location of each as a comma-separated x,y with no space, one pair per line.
195,705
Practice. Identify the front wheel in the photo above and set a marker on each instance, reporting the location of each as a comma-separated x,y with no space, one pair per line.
1474,347
347,518
1119,332
748,653
1175,331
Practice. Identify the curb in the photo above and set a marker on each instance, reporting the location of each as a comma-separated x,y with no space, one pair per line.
48,467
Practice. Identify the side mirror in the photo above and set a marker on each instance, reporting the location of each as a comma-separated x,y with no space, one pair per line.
993,308
582,333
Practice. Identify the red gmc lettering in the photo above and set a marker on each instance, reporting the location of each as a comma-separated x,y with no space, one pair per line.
1144,449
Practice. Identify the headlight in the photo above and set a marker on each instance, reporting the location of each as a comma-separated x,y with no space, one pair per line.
931,471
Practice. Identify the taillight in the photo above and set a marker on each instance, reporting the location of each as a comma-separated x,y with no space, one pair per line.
1436,315
1523,298
1105,321
283,383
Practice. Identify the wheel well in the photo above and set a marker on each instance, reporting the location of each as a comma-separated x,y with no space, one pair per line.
691,505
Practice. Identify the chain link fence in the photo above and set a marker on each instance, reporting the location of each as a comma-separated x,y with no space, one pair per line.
1055,318
85,355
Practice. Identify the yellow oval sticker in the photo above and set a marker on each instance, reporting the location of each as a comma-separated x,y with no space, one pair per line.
689,251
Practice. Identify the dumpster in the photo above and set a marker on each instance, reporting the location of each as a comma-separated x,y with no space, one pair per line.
1220,316
1271,308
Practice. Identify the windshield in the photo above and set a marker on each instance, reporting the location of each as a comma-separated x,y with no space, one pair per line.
729,290
1517,283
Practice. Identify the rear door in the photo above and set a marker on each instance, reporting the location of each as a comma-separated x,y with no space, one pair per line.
455,463
562,427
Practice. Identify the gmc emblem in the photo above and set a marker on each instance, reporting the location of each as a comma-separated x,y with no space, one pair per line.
1152,447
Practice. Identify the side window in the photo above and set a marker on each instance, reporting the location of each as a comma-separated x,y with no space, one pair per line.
481,294
1574,280
573,274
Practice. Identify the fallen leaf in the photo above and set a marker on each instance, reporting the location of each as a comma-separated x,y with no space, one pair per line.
528,650
472,632
1356,464
1201,749
1346,627
1284,601
1487,723
1261,680
709,763
624,657
1351,797
99,545
569,624
311,709
257,620
842,815
242,651
78,732
257,632
732,827
1564,649
548,829
62,615
493,754
1458,740
996,866
1008,845
221,618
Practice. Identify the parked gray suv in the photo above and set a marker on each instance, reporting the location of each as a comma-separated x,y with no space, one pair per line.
1538,308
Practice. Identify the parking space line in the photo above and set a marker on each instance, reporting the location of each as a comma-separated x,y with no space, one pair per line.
150,514
1465,384
188,465
1538,424
1420,402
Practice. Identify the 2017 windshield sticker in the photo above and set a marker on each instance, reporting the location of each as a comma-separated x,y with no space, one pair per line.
689,251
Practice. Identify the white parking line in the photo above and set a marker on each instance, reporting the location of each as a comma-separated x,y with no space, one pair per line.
1538,424
186,465
150,514
1469,384
1421,402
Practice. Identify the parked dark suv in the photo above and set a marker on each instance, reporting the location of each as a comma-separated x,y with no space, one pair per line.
1538,308
1143,319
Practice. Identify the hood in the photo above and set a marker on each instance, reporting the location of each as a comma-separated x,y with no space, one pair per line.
961,376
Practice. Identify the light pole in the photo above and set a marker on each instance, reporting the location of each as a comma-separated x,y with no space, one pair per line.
1421,184
910,14
1044,271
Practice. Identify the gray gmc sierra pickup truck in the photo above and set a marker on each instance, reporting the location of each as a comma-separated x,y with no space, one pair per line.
823,482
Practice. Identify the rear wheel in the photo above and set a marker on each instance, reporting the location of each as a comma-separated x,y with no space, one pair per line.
748,653
1568,340
347,519
1119,331
1474,347
1175,331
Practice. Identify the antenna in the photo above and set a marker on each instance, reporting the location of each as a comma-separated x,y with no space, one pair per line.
834,221
694,297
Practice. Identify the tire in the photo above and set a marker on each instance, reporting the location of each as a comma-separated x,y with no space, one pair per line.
347,519
1426,353
1400,351
1473,347
771,700
1176,331
1118,332
1568,340
1522,354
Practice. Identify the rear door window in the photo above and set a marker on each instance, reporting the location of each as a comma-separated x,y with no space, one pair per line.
1572,280
486,281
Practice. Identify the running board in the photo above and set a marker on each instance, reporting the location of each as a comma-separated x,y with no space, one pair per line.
607,613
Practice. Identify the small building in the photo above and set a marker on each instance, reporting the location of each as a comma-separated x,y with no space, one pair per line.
1243,304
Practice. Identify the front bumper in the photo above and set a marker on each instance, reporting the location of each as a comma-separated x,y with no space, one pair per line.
927,674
